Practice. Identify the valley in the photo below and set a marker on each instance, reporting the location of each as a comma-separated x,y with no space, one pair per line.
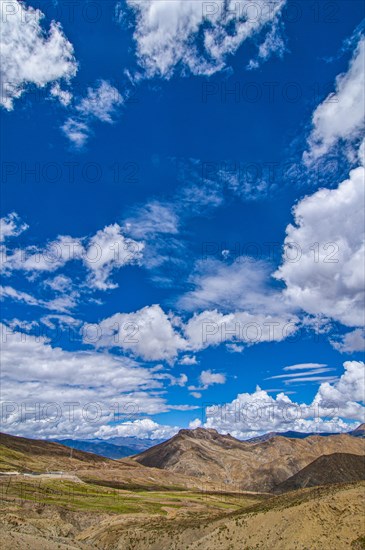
54,497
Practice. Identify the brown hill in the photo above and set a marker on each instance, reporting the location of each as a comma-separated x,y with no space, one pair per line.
254,467
45,451
23,455
327,469
325,518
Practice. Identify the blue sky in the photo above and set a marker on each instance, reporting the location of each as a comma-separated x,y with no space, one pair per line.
182,231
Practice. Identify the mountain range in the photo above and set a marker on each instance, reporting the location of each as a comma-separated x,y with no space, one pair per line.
199,489
212,457
121,447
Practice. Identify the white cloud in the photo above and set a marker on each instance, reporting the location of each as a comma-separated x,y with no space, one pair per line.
306,372
324,274
148,333
144,428
274,44
242,284
174,380
53,392
196,394
60,283
157,222
100,103
194,35
77,131
304,366
63,96
347,393
61,303
44,259
181,381
152,219
341,115
208,378
29,54
11,226
108,249
64,321
10,292
195,424
152,334
250,414
350,342
211,328
188,360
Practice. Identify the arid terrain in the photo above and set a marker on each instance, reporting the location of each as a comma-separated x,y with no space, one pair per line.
250,496
249,466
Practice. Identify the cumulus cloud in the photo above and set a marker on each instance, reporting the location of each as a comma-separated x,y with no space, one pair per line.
107,250
31,55
152,334
195,36
208,378
148,333
337,406
84,390
346,394
143,428
327,241
212,328
188,360
341,115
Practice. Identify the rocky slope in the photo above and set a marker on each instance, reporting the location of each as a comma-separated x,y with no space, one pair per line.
327,469
326,518
257,467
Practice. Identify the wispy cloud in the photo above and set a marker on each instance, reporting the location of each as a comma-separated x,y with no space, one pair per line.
100,104
304,372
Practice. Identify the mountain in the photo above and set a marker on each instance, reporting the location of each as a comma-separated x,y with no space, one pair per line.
136,443
37,455
23,455
212,457
358,432
101,448
327,469
121,447
115,448
79,500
